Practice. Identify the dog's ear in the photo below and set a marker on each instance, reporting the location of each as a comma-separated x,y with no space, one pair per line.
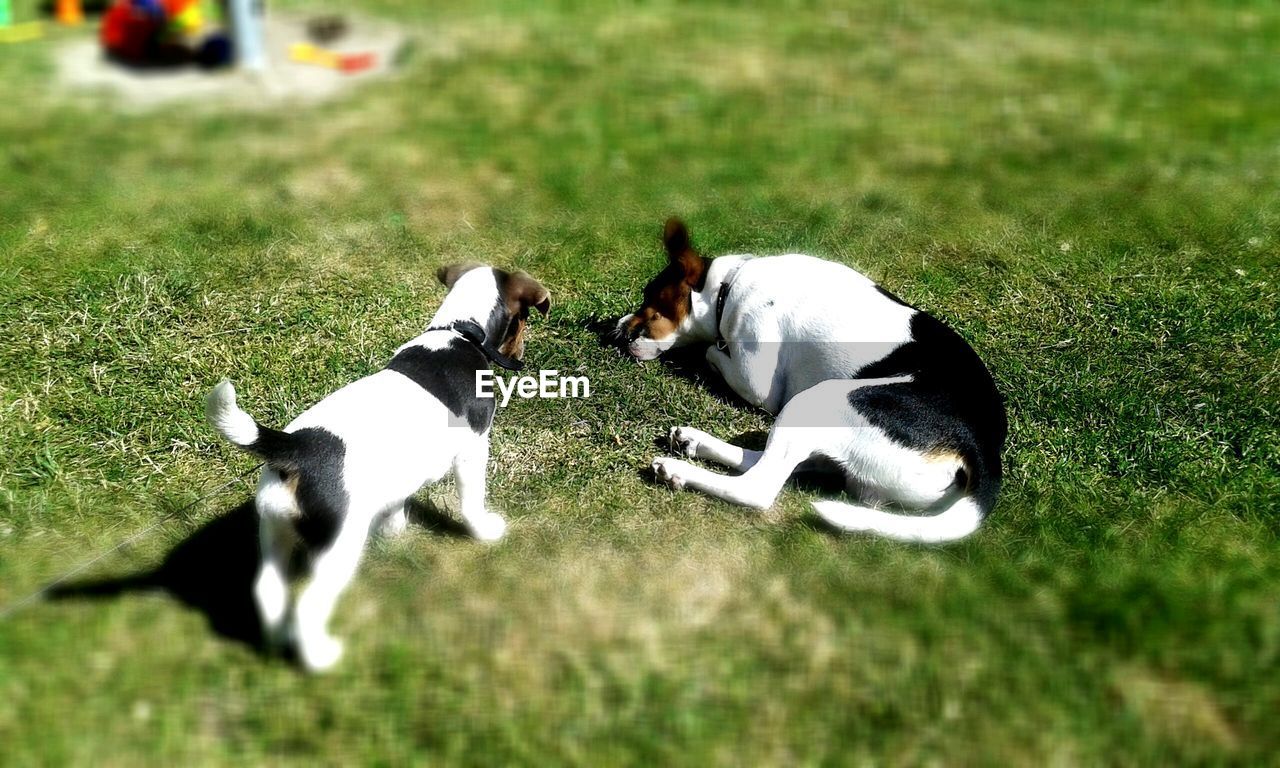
450,273
675,236
521,289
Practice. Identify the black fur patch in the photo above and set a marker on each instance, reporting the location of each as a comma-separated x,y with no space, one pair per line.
952,403
315,457
891,296
499,319
449,374
949,374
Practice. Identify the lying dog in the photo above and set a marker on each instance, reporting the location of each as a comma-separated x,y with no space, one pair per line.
351,461
857,377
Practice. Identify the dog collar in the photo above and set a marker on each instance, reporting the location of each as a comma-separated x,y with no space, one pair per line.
472,332
721,298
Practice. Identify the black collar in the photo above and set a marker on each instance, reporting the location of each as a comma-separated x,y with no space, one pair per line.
472,332
721,298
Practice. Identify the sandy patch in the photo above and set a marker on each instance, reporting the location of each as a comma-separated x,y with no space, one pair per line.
82,68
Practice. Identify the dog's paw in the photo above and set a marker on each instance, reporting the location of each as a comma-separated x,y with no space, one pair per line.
669,471
319,654
685,440
488,527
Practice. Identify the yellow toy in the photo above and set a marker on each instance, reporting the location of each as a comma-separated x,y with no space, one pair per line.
306,53
69,12
21,33
16,33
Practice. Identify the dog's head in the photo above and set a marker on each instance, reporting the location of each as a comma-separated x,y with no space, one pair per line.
663,319
510,296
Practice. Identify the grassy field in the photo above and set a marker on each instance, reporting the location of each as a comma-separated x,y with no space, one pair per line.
1088,192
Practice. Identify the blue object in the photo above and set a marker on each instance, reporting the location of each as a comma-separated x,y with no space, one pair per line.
151,8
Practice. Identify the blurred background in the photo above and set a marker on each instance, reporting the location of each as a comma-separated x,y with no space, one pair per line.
1087,191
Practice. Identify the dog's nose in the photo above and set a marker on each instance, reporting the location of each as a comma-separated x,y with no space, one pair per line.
620,336
609,331
630,336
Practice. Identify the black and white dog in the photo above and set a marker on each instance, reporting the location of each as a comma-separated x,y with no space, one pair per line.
351,461
899,402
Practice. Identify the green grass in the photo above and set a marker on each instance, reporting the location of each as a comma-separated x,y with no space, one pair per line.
1087,191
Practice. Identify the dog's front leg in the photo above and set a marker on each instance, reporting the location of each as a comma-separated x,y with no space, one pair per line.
470,467
750,374
697,444
331,574
759,486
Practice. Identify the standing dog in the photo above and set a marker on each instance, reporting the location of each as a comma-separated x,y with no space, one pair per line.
857,377
354,458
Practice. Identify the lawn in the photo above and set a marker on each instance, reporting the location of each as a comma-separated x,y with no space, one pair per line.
1089,192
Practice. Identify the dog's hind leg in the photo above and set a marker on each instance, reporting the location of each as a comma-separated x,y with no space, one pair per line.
271,588
470,468
331,574
696,444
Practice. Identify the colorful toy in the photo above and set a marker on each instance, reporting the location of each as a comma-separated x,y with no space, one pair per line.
16,33
21,33
347,63
161,32
69,12
130,31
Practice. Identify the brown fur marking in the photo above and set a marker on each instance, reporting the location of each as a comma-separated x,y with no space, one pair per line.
667,297
520,291
450,273
947,456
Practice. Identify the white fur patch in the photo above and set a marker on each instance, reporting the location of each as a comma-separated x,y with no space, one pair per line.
955,522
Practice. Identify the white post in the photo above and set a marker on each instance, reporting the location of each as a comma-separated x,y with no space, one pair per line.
247,33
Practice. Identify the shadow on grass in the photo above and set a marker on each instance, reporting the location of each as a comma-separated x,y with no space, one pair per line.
213,569
689,363
431,519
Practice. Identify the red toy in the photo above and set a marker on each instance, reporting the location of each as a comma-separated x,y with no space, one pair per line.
161,32
130,32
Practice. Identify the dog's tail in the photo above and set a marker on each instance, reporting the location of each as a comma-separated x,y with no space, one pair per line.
241,430
958,520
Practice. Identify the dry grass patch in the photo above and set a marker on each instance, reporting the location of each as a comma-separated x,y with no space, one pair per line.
1180,712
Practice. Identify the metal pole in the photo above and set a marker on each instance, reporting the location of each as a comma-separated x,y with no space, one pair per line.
247,34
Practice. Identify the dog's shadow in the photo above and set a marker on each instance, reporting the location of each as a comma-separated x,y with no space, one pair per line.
212,570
